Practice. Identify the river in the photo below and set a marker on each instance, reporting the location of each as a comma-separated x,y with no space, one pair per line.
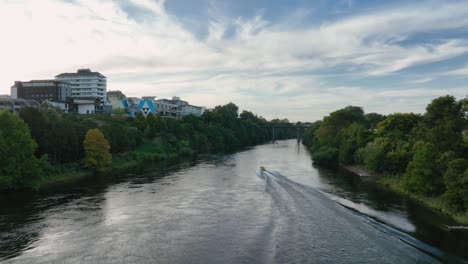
216,209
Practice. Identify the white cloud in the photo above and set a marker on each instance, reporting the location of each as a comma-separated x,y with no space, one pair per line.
422,80
458,72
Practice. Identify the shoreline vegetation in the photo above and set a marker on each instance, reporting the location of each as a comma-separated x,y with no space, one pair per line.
42,147
420,156
394,184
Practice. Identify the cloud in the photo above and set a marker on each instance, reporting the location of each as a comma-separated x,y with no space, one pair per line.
422,80
271,67
458,72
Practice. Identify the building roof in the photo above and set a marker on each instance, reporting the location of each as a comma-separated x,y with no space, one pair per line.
40,82
81,72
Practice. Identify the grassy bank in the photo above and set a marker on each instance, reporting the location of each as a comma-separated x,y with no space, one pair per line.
395,184
66,174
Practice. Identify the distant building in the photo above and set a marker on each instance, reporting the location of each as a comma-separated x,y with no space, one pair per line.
167,107
192,110
83,106
86,84
114,98
41,90
184,108
174,108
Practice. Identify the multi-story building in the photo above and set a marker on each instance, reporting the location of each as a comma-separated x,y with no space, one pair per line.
184,108
41,90
167,107
86,84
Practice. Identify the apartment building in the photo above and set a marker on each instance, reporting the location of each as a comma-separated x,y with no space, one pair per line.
86,84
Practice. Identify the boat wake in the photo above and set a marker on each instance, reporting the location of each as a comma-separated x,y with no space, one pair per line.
311,227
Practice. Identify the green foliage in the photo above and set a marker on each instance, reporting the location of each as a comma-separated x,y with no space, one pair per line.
371,120
97,150
120,112
325,155
18,165
456,184
373,154
140,121
58,135
64,138
121,137
421,175
350,140
152,125
246,115
332,124
422,148
161,124
444,122
398,126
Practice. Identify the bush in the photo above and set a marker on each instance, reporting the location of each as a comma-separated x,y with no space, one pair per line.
325,155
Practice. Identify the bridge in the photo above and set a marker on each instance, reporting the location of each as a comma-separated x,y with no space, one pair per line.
298,126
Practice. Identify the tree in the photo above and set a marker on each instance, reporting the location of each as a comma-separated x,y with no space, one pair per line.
97,150
373,154
18,165
421,175
161,124
119,112
373,119
351,139
398,126
140,121
332,124
246,115
152,125
37,124
456,185
444,121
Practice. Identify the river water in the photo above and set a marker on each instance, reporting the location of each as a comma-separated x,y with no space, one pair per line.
220,209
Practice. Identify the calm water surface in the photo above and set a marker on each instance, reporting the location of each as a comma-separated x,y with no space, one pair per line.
217,209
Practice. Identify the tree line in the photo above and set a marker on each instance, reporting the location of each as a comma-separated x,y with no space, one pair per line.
427,154
39,142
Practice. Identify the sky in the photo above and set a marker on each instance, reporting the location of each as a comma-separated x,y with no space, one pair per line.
296,59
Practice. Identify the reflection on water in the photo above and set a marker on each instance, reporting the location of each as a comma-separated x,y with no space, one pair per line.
214,209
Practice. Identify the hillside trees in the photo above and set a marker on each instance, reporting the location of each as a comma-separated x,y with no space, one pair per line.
426,153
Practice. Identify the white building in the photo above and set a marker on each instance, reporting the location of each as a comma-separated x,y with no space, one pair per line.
86,84
192,110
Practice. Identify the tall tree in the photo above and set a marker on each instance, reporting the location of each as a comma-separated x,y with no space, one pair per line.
421,175
18,165
97,150
456,184
445,120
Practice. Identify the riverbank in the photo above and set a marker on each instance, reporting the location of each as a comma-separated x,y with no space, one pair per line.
394,183
121,163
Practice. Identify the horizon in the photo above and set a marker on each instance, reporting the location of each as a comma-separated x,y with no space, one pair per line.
294,60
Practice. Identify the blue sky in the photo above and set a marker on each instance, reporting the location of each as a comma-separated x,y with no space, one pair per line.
297,59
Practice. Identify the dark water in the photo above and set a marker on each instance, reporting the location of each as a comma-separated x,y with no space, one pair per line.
217,210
